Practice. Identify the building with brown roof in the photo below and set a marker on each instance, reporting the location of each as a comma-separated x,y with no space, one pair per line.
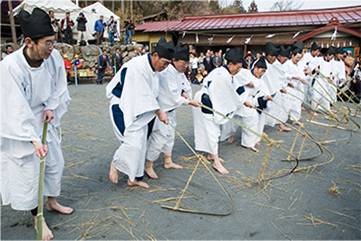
340,27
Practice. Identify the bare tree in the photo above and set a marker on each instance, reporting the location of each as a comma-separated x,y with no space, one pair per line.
286,5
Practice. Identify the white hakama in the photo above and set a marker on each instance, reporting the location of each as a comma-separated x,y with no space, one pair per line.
252,120
322,91
171,86
279,107
296,95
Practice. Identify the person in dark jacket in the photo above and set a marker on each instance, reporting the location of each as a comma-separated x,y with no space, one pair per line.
103,63
117,60
207,62
81,27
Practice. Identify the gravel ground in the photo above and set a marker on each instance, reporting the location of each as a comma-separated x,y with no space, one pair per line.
319,203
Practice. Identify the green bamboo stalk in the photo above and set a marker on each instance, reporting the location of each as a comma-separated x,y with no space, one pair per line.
40,215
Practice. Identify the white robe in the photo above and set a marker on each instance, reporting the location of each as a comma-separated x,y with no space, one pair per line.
133,96
293,70
218,86
171,86
339,76
275,80
251,119
240,80
25,93
323,93
306,63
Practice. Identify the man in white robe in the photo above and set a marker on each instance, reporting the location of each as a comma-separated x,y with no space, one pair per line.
323,91
296,81
174,90
308,62
276,83
218,93
133,96
33,90
251,112
339,72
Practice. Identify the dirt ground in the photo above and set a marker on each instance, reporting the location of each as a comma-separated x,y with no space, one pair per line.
316,203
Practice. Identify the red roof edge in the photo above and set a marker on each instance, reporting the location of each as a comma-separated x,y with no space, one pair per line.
270,13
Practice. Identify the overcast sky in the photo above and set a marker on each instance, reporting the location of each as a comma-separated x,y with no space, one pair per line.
265,5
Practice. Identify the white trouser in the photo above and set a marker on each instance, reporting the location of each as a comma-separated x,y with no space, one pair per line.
161,139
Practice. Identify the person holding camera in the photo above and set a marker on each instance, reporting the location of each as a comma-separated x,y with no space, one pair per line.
81,27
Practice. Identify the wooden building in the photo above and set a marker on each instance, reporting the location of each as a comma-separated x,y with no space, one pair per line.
338,26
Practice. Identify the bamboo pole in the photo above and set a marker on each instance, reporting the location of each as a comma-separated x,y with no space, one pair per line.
329,81
40,215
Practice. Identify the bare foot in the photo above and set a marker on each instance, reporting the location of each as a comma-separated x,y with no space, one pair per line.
313,113
113,174
210,158
297,123
149,171
251,148
283,128
169,164
231,140
53,205
220,168
172,165
47,233
137,183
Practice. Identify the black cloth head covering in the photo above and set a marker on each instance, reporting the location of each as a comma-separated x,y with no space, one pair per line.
296,51
331,50
164,49
314,46
35,25
339,50
298,45
259,63
181,52
323,51
284,51
271,49
234,55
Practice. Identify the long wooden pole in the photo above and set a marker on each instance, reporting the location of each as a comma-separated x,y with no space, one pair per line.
40,215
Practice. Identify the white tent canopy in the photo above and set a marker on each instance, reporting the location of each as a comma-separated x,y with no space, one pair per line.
92,14
58,6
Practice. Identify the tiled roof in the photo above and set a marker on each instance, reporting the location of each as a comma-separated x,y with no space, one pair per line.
346,15
160,26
